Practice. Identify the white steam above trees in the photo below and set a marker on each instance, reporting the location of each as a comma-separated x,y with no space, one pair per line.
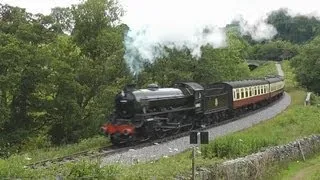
184,23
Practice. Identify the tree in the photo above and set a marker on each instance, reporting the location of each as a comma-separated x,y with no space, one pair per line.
177,65
298,29
307,65
223,64
86,92
215,65
63,20
274,50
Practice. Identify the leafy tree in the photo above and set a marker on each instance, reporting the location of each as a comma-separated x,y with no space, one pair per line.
273,50
22,34
219,64
223,64
298,29
177,65
87,97
307,65
62,20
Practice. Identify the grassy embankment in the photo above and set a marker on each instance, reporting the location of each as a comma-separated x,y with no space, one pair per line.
267,68
295,122
309,169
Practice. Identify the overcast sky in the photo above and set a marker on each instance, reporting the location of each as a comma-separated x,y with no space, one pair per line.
221,11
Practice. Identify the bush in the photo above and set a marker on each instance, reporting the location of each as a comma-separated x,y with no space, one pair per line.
235,146
89,170
315,100
38,141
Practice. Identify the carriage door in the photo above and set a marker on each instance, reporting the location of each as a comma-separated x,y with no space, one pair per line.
198,95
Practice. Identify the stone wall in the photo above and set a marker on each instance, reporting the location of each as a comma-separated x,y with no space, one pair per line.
254,166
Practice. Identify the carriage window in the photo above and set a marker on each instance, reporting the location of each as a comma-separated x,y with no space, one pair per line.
255,90
238,94
250,92
242,93
262,89
247,93
259,90
266,89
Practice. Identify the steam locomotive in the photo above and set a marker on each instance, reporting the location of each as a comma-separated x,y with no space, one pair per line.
154,112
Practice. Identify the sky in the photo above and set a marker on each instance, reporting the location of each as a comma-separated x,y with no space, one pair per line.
138,9
180,23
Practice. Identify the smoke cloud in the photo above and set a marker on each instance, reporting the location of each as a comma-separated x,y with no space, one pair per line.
181,24
192,24
146,44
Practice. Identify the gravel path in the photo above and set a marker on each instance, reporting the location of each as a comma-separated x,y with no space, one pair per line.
279,69
177,146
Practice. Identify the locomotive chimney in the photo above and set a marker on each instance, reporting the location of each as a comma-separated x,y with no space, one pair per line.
153,87
129,88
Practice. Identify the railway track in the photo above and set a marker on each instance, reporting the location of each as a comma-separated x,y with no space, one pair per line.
110,150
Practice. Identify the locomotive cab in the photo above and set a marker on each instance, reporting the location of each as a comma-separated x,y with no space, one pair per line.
124,104
196,91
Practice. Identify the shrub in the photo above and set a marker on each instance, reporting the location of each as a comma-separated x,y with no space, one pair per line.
89,170
235,146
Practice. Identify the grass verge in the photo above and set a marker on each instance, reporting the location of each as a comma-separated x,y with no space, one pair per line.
265,69
54,152
309,169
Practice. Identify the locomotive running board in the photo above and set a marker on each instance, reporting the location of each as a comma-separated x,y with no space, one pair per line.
174,127
164,112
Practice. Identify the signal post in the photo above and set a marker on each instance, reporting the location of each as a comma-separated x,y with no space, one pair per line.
197,138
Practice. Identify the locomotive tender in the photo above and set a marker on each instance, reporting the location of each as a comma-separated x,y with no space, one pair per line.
142,114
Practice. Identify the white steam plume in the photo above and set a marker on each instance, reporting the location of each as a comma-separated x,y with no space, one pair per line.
146,44
259,30
181,23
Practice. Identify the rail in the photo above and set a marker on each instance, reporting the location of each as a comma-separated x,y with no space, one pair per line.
307,102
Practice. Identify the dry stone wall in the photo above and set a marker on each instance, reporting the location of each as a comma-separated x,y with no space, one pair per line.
253,166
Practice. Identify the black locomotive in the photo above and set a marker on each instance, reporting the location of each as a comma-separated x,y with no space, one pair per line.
141,114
